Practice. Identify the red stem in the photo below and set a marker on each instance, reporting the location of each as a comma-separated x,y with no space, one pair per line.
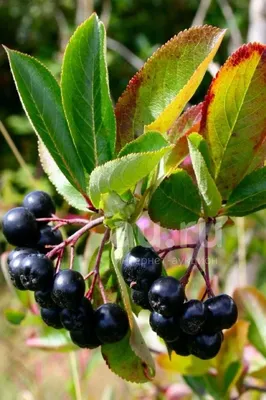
59,260
208,283
72,256
177,247
76,221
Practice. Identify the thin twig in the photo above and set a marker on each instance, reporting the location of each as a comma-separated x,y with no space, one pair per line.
167,250
201,12
72,256
229,16
124,52
76,221
59,260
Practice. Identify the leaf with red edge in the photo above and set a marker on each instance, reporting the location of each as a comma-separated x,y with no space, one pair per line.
234,116
158,93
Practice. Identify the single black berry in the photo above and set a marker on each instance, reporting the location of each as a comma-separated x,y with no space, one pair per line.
68,289
40,204
221,313
37,272
166,296
86,338
18,251
181,345
44,298
20,227
51,316
141,299
205,346
193,317
111,323
48,237
14,269
140,267
165,327
76,320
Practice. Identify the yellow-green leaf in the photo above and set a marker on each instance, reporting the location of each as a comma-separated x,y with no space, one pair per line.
183,365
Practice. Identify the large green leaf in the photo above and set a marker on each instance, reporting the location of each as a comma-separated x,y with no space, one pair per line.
62,185
212,200
161,89
249,195
176,203
41,99
122,174
151,141
234,116
252,304
85,93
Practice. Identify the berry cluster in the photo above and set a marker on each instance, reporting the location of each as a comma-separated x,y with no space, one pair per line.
60,294
188,327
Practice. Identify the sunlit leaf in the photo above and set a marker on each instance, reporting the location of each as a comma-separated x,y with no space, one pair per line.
183,365
14,316
151,141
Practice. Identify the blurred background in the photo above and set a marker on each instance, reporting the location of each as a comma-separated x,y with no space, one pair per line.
29,367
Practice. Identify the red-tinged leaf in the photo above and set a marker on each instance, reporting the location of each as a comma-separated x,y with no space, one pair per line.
157,94
234,116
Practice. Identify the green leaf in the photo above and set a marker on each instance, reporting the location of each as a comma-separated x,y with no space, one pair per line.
183,365
234,120
41,99
252,304
122,174
212,200
176,202
52,341
62,185
161,89
13,316
86,96
151,141
249,196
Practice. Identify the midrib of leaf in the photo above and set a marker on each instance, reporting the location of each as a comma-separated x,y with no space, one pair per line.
42,120
178,203
235,121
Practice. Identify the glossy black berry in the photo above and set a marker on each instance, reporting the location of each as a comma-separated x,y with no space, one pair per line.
141,299
14,269
48,237
111,323
86,338
76,320
141,267
181,345
37,272
166,296
20,227
18,251
40,204
44,298
205,346
221,313
68,289
165,327
193,317
51,316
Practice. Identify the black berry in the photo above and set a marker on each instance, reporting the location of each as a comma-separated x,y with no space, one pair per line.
20,227
165,327
181,345
205,346
193,317
51,316
76,320
37,272
221,313
18,251
111,323
141,299
141,267
68,289
166,296
14,269
86,338
44,298
40,204
48,237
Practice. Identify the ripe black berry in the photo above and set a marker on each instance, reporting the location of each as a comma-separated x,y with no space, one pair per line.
14,269
205,346
141,267
20,227
44,298
51,316
86,338
193,317
37,272
18,251
111,323
165,327
40,204
76,320
48,237
180,345
221,313
68,289
141,299
166,296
